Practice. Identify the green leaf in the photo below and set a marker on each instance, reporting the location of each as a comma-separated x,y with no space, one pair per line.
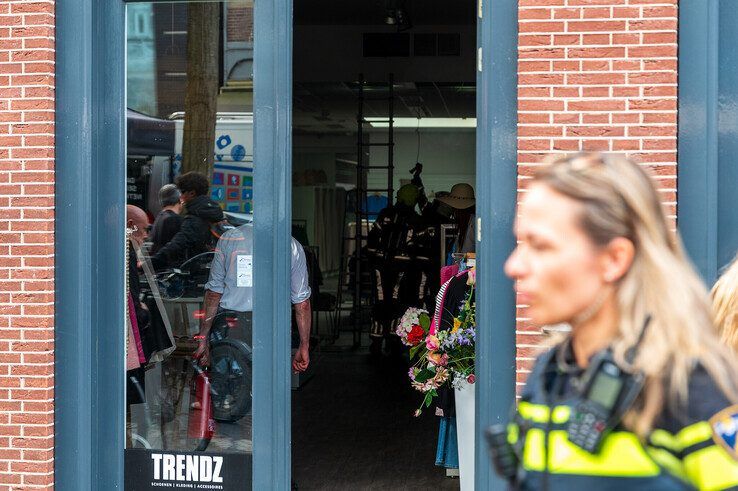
424,322
428,399
414,350
424,375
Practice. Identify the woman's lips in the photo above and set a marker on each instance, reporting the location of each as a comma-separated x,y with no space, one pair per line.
524,297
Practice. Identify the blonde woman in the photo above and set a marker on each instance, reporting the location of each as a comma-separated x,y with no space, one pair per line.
640,394
725,304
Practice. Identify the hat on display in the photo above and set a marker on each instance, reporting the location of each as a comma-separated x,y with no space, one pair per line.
461,197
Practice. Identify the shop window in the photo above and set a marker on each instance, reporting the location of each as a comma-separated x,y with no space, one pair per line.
190,255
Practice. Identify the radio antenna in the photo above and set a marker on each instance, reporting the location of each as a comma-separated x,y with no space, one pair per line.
633,350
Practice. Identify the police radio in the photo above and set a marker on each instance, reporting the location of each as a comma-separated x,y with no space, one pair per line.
608,392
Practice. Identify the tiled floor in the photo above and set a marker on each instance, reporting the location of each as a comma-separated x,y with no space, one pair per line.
353,429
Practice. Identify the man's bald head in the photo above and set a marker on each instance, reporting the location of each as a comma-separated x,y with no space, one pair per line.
136,217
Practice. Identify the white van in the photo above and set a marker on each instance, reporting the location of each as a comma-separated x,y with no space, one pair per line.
233,166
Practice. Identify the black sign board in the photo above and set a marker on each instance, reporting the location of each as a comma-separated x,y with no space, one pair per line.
163,469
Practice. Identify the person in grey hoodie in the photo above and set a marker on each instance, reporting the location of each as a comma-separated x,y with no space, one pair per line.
194,236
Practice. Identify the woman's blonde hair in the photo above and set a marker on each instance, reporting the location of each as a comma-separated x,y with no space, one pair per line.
725,304
619,199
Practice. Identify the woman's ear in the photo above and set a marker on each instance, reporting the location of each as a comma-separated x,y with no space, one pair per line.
617,258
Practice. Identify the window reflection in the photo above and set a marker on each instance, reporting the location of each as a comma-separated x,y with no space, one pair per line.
190,189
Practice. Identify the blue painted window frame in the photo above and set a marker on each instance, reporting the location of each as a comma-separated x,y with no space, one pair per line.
90,198
697,140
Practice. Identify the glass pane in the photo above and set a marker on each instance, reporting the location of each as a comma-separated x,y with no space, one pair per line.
190,259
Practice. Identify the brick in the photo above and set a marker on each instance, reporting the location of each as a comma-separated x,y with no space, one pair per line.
526,92
596,92
528,144
665,118
596,13
652,25
621,38
609,52
624,145
546,105
660,11
566,118
670,64
596,118
661,130
596,66
567,92
626,65
533,118
595,26
567,145
548,53
568,13
540,131
540,79
527,14
609,131
534,66
567,39
540,3
534,40
596,78
532,26
567,66
649,52
626,118
652,78
596,105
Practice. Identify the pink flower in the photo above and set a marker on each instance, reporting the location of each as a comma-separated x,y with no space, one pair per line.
432,343
471,378
438,359
471,277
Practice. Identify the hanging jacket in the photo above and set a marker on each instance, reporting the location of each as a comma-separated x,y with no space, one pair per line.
679,454
194,236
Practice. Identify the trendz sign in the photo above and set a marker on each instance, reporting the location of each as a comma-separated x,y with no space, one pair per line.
160,469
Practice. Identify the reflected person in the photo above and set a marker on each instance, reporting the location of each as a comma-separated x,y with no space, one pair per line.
169,220
229,292
194,236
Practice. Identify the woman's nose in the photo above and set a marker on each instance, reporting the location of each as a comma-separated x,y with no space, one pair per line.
513,265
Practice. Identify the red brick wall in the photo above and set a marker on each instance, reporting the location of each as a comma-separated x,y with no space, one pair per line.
26,244
596,75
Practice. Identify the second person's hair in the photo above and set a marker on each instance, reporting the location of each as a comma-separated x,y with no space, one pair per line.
725,304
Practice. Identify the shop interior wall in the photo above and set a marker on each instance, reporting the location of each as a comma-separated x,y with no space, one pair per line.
337,51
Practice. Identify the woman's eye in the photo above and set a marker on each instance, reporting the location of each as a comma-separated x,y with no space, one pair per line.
539,245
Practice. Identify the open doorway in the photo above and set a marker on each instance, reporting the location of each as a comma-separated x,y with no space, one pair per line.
379,87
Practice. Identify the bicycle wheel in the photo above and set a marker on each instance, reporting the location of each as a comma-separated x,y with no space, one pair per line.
230,379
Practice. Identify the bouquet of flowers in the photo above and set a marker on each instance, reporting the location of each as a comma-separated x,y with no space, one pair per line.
442,356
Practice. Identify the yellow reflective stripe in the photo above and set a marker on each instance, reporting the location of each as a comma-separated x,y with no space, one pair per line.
533,450
621,455
711,468
696,433
663,438
513,433
539,413
687,436
561,414
668,461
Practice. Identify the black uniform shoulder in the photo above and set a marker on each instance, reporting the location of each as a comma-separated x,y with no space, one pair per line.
535,379
705,399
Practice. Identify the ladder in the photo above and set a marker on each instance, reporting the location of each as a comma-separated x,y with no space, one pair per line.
362,290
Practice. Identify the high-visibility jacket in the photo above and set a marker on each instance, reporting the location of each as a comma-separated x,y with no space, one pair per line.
681,453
